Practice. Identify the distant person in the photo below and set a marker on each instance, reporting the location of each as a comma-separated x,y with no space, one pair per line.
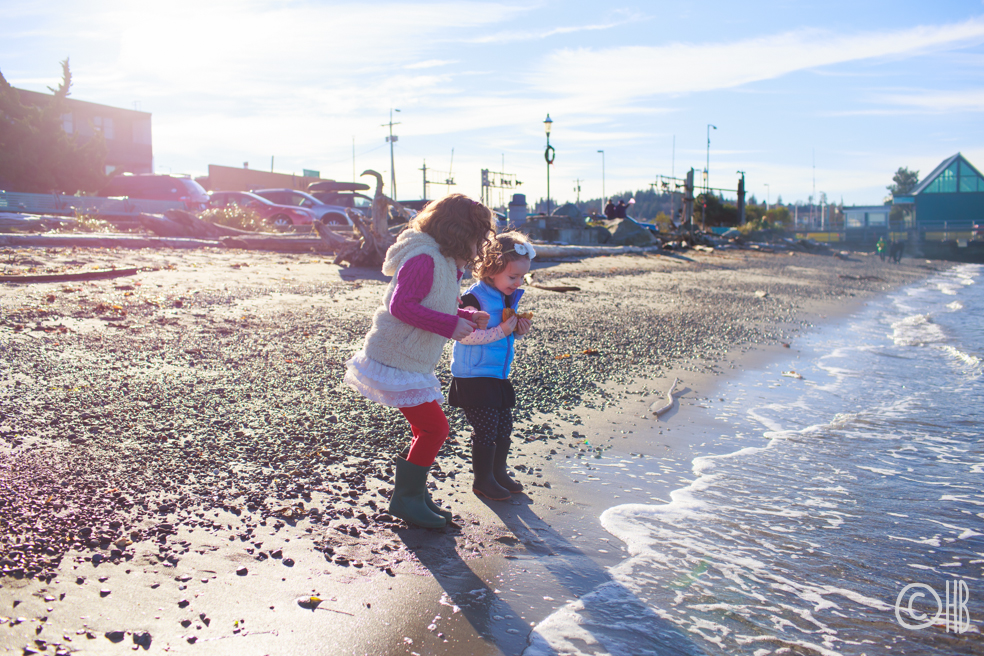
621,209
881,247
610,210
480,362
420,313
896,251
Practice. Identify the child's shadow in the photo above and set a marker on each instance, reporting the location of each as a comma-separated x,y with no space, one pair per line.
603,601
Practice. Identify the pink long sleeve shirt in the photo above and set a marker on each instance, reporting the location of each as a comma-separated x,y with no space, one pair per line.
413,282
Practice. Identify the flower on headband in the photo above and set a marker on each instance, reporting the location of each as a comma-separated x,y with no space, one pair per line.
522,249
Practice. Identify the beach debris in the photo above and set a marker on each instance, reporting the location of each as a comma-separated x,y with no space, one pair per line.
761,293
98,274
663,409
791,374
562,356
528,278
311,602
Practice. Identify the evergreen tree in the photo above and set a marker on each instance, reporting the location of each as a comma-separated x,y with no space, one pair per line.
903,181
36,155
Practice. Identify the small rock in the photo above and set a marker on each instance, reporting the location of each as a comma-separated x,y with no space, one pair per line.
115,636
105,592
183,603
289,562
242,571
142,639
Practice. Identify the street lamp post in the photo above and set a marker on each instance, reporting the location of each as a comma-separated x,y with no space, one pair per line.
604,200
548,155
767,195
707,178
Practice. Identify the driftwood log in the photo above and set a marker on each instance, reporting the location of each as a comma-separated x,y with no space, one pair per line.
98,274
179,223
375,237
659,410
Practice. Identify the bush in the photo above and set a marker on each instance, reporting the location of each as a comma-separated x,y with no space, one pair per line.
234,217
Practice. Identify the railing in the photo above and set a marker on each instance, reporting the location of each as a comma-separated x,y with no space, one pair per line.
12,201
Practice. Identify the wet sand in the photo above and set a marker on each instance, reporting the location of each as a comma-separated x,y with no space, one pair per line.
181,464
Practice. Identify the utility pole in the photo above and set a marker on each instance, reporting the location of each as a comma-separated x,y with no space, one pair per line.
392,138
577,189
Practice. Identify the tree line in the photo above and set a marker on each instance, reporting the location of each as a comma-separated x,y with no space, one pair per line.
36,154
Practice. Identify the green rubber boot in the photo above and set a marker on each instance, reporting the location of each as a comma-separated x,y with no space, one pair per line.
485,484
434,508
499,471
409,500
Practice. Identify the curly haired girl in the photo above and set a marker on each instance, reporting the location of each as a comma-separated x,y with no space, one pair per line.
419,314
480,363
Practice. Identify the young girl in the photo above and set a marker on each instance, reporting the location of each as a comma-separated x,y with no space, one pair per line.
419,314
480,362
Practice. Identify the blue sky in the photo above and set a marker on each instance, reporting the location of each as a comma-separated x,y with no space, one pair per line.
838,92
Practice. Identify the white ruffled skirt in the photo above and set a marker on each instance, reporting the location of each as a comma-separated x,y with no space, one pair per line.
390,386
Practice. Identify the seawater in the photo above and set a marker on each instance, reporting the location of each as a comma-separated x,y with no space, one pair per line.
834,493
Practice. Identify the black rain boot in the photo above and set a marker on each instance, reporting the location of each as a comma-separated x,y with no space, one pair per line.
409,500
434,508
485,485
499,466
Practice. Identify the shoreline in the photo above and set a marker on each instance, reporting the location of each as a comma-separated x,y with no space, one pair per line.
515,561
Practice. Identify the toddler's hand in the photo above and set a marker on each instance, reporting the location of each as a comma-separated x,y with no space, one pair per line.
463,329
481,319
523,326
509,325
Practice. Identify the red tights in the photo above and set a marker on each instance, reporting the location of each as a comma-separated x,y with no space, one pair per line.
430,429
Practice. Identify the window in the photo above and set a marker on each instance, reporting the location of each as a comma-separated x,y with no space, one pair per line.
877,218
969,180
945,182
854,219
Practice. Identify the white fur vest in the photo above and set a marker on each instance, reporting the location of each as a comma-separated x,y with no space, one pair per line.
400,345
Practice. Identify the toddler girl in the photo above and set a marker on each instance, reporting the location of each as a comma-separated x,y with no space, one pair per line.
419,314
480,362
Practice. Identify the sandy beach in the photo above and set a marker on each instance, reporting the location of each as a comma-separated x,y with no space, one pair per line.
182,469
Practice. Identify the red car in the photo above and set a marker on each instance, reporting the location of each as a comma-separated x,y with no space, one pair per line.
282,217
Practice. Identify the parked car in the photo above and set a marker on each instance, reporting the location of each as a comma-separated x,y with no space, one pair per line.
328,214
157,187
342,194
281,217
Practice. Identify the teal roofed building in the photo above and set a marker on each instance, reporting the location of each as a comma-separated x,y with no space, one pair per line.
944,213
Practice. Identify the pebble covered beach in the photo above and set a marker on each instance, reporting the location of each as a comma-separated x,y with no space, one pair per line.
182,431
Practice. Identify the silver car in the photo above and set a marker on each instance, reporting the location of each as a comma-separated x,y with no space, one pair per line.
327,214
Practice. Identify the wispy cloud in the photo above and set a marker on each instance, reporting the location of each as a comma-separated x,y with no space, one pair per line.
636,72
535,35
431,63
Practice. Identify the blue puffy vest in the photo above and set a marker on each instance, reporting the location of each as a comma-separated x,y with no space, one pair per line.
492,360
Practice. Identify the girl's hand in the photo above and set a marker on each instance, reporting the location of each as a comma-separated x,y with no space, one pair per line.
481,319
524,326
463,329
509,325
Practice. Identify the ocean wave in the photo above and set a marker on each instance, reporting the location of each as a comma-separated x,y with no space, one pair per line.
917,330
957,354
